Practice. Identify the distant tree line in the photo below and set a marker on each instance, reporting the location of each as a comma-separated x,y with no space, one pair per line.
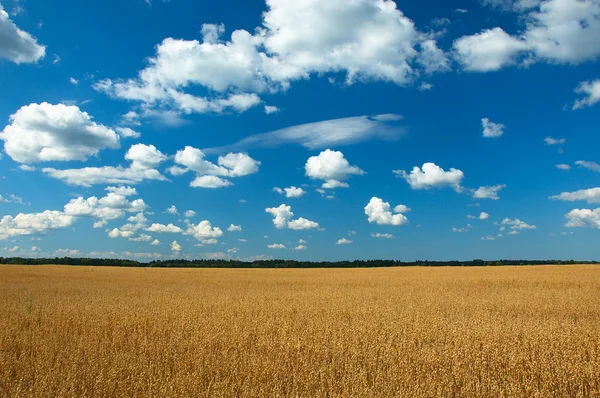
110,262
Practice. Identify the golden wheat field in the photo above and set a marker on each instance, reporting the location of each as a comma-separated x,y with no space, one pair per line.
397,332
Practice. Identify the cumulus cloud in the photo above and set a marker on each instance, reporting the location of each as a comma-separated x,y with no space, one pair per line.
189,213
517,224
144,160
17,45
276,246
432,176
491,129
234,228
109,207
590,90
291,192
324,134
176,247
126,132
300,247
208,174
591,196
344,241
172,210
555,31
46,132
122,190
563,166
488,192
554,141
379,212
580,218
204,232
488,51
161,228
283,219
34,223
484,216
332,167
383,45
212,182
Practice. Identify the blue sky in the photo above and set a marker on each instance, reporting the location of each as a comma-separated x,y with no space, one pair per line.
402,130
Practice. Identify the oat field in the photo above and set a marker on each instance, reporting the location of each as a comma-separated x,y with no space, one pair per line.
401,332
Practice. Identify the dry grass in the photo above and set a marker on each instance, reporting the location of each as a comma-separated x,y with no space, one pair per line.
108,332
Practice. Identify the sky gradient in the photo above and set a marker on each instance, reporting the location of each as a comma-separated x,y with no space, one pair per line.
338,130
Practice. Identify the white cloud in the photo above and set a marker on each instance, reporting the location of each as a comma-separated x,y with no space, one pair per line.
517,224
176,247
33,223
563,166
579,218
46,132
333,184
127,132
344,241
117,233
271,109
591,92
141,238
488,192
300,247
74,81
484,216
210,182
379,212
143,158
554,141
155,242
208,174
301,224
109,207
487,51
122,190
12,198
234,228
283,219
491,129
67,253
591,196
383,45
172,210
332,167
432,176
382,236
593,166
556,31
189,213
26,167
17,45
276,246
489,237
460,230
320,135
100,224
204,232
161,228
291,192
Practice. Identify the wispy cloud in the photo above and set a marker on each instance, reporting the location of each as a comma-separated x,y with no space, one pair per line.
324,134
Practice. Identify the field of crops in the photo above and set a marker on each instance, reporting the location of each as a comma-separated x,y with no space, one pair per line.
135,332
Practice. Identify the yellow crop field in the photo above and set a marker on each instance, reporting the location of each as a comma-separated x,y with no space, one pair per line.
397,332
